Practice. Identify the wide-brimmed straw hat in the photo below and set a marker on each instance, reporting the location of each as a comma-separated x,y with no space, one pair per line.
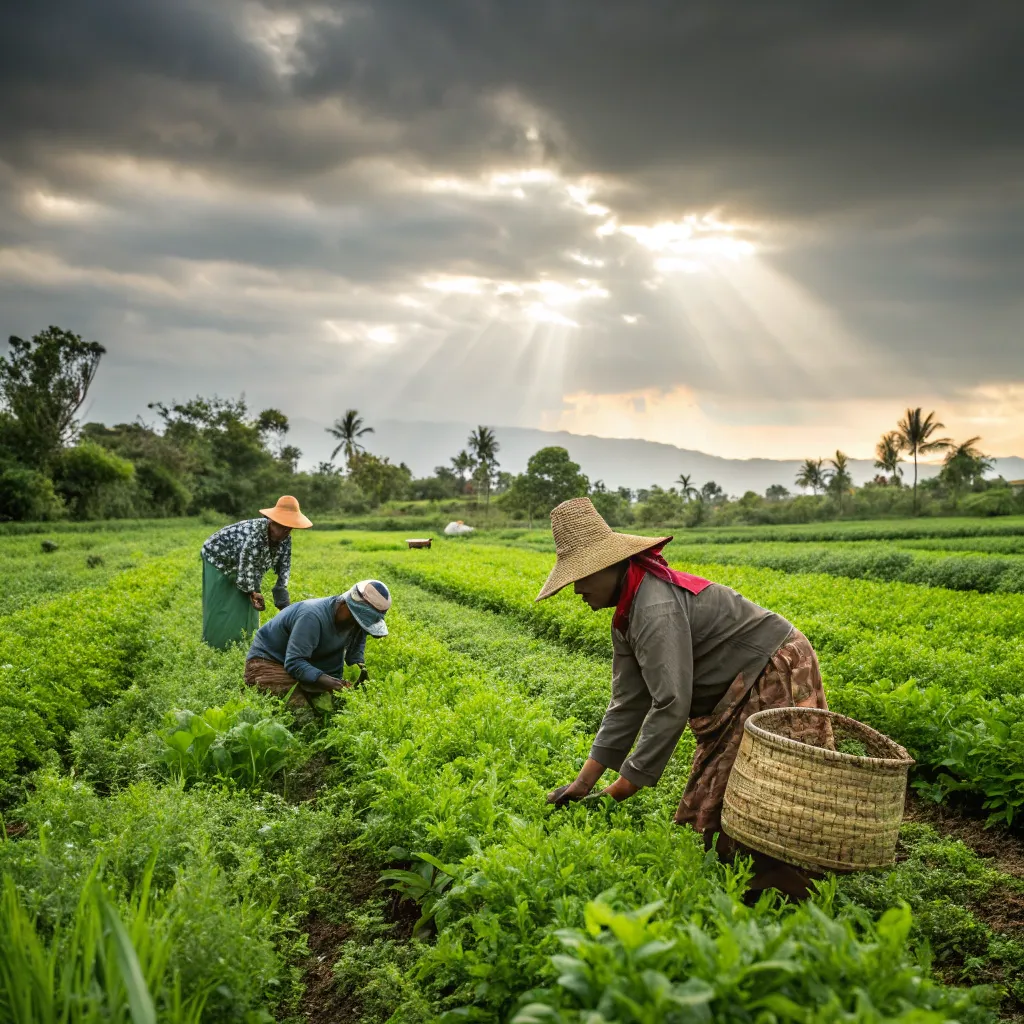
585,543
286,513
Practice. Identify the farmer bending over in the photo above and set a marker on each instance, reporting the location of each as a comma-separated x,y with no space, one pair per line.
685,649
235,560
307,646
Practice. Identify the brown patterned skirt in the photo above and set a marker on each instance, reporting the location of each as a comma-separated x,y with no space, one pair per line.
271,676
791,679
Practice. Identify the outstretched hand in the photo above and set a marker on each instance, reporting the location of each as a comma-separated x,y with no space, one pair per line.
620,789
567,794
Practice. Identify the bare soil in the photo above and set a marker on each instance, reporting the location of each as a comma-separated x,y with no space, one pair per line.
1003,847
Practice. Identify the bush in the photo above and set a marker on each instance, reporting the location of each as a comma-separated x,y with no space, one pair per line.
161,492
28,495
998,501
93,481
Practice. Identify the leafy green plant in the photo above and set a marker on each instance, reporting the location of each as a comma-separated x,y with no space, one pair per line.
425,883
100,969
625,967
233,744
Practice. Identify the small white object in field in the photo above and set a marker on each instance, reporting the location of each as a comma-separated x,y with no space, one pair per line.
458,529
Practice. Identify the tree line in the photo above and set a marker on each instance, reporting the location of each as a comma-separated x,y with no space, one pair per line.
217,454
964,466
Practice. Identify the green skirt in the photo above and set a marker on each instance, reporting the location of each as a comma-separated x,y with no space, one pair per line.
228,614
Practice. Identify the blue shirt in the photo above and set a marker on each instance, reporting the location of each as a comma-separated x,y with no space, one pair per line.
308,642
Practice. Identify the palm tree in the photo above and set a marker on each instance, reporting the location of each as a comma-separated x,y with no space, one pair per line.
347,431
811,475
964,463
686,489
839,479
484,446
887,455
463,463
915,436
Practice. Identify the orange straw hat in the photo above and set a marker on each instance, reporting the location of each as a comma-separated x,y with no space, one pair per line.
286,513
585,543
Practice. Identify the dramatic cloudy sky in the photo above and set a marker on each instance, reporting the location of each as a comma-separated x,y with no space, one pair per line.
754,228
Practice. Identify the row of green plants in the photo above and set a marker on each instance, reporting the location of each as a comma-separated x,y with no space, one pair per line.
447,764
168,811
446,755
940,879
62,657
871,561
940,672
37,569
885,529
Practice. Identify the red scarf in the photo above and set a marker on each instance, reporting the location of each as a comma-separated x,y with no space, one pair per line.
639,566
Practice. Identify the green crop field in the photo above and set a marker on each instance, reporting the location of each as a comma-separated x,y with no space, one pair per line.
176,846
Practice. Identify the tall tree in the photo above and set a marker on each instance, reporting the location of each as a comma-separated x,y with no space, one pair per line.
811,474
346,431
887,455
551,477
484,446
839,479
712,492
43,384
964,464
378,478
915,432
686,489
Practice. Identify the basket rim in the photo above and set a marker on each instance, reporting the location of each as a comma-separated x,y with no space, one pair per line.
786,743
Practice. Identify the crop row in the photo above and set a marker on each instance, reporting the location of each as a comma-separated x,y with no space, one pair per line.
448,752
58,659
939,672
897,529
935,877
77,561
450,759
887,564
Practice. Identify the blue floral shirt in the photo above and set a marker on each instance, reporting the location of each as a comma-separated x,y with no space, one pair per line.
243,552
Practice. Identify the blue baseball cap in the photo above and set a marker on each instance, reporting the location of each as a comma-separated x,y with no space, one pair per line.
369,601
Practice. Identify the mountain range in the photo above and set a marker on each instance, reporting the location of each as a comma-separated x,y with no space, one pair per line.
619,462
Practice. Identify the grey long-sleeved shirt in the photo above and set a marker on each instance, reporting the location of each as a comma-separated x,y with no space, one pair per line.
678,656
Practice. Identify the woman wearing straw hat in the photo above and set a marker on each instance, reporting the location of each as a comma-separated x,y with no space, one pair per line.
684,650
235,560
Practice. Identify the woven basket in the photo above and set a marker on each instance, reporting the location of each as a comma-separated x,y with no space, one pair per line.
813,807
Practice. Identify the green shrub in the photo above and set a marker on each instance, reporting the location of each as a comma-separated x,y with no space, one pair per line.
28,494
997,501
94,481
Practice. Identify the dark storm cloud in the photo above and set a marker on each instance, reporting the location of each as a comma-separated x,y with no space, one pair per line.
796,103
783,106
875,148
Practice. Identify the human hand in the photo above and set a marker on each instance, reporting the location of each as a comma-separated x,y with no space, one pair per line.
620,789
567,794
256,600
327,682
364,676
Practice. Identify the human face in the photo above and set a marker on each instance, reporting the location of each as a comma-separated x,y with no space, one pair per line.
278,532
601,589
342,614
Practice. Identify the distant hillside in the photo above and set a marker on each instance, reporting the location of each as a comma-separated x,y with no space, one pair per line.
618,462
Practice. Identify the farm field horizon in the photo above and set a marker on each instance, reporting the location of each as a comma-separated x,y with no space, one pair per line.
393,860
